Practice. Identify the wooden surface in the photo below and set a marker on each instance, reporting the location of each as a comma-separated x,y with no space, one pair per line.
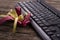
23,33
54,3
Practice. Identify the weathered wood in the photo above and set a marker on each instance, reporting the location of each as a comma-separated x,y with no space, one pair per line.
23,33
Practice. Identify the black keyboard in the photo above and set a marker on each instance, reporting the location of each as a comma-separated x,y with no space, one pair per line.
46,21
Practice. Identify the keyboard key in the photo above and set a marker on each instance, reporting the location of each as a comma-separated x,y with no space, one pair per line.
41,24
44,28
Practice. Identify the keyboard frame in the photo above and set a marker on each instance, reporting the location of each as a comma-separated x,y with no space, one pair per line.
35,26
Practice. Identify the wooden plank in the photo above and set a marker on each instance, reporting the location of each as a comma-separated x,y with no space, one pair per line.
23,33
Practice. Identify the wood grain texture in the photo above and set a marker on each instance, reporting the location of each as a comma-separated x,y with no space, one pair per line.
23,33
